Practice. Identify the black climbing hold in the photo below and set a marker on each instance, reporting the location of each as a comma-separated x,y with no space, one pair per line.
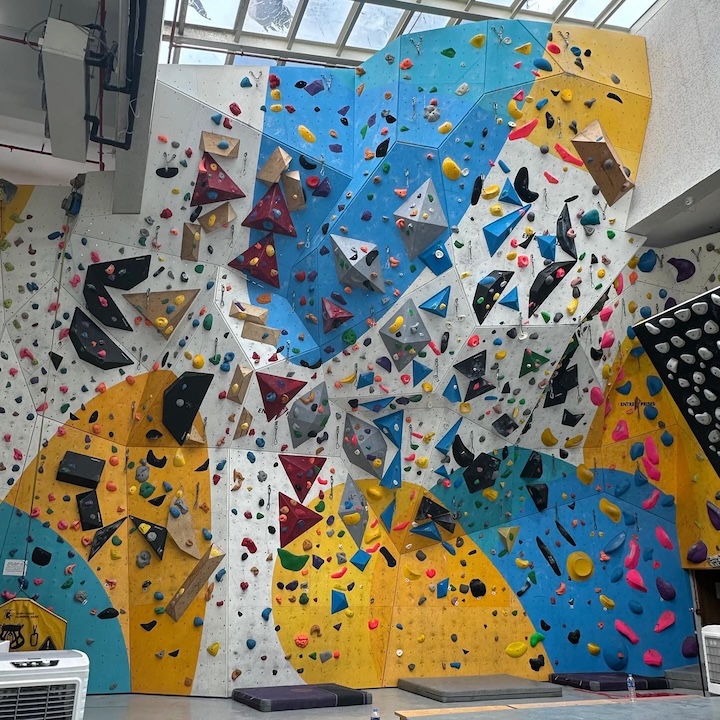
153,434
107,614
181,403
389,557
571,420
477,190
522,186
148,626
155,461
564,232
533,467
461,454
615,96
306,164
574,637
41,557
56,359
549,120
545,282
158,501
539,495
544,626
477,588
89,510
565,533
382,149
481,473
94,345
548,556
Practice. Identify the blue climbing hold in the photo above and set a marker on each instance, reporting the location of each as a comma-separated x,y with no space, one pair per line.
542,64
667,439
625,388
419,372
647,261
217,118
438,303
650,412
387,515
654,384
266,614
392,478
338,602
452,391
637,450
392,426
511,299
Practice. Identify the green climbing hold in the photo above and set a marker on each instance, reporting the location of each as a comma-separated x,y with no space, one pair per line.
545,316
160,610
183,162
320,507
532,577
187,197
413,267
208,321
404,128
116,541
7,303
9,267
142,241
67,584
536,639
349,337
363,131
458,244
216,359
611,234
386,167
199,269
146,490
303,599
292,562
313,656
469,143
371,196
448,52
64,407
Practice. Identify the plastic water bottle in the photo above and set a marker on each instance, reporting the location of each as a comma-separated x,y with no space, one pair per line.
375,714
632,694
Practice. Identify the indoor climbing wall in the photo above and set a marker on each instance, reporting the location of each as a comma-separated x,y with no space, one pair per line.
345,402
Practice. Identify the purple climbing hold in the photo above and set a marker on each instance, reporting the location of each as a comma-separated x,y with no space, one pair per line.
690,647
666,590
713,512
697,553
315,87
685,268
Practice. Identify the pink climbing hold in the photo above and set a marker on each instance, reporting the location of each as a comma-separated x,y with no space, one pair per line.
652,658
95,256
551,178
666,619
652,471
651,451
663,538
652,501
635,581
608,339
624,629
523,131
596,396
621,431
633,556
606,313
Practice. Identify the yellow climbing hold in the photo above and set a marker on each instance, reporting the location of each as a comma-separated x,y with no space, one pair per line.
180,299
566,95
522,564
423,462
465,408
427,387
161,322
179,459
633,261
399,320
606,602
375,492
513,110
572,306
512,255
445,128
632,306
574,441
306,134
269,250
211,220
477,41
352,518
593,649
547,438
584,474
410,574
198,362
275,94
496,210
580,565
490,191
372,534
276,107
451,170
490,494
214,649
500,354
525,49
516,649
610,509
601,273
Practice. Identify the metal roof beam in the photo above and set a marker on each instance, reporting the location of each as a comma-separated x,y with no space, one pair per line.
295,24
347,27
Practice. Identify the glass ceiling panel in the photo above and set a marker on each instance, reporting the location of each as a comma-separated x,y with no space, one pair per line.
323,20
272,17
213,13
541,6
420,22
586,10
191,56
629,13
374,26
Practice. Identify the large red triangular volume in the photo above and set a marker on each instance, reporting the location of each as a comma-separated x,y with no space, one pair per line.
271,214
213,184
302,471
333,315
277,392
259,261
295,519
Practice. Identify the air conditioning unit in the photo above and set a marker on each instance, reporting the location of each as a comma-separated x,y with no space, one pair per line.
48,685
711,650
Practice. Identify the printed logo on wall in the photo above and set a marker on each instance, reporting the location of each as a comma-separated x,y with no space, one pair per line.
30,626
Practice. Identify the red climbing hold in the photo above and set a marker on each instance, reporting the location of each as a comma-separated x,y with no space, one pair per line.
166,214
568,156
235,109
302,471
333,315
523,131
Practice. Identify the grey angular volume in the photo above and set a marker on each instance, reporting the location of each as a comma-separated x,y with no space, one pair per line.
357,263
421,219
309,414
410,338
364,445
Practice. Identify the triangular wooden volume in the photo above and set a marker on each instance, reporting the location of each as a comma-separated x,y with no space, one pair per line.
164,309
278,162
220,145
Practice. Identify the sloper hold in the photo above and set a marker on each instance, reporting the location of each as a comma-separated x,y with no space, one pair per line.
533,468
89,510
357,263
545,282
302,471
309,414
436,257
103,535
602,162
539,495
462,455
452,391
338,602
295,519
81,470
488,292
259,261
498,231
271,214
276,392
420,219
546,244
392,427
564,232
419,372
213,184
239,384
482,472
364,445
427,530
430,509
473,368
181,403
95,346
438,303
154,534
387,515
531,362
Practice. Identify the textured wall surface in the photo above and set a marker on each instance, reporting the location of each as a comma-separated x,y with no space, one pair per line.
359,376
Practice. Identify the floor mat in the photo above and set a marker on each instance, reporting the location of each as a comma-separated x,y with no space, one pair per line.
300,697
478,687
608,681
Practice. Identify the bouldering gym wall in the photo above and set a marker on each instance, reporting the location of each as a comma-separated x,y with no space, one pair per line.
376,385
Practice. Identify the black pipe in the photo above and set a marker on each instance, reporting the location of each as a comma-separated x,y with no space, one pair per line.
132,80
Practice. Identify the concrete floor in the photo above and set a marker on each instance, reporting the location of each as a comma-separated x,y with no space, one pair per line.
608,706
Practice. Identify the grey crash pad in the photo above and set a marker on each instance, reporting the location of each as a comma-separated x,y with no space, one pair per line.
478,687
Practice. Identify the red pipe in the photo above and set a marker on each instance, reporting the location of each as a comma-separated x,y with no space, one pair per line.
36,152
21,41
